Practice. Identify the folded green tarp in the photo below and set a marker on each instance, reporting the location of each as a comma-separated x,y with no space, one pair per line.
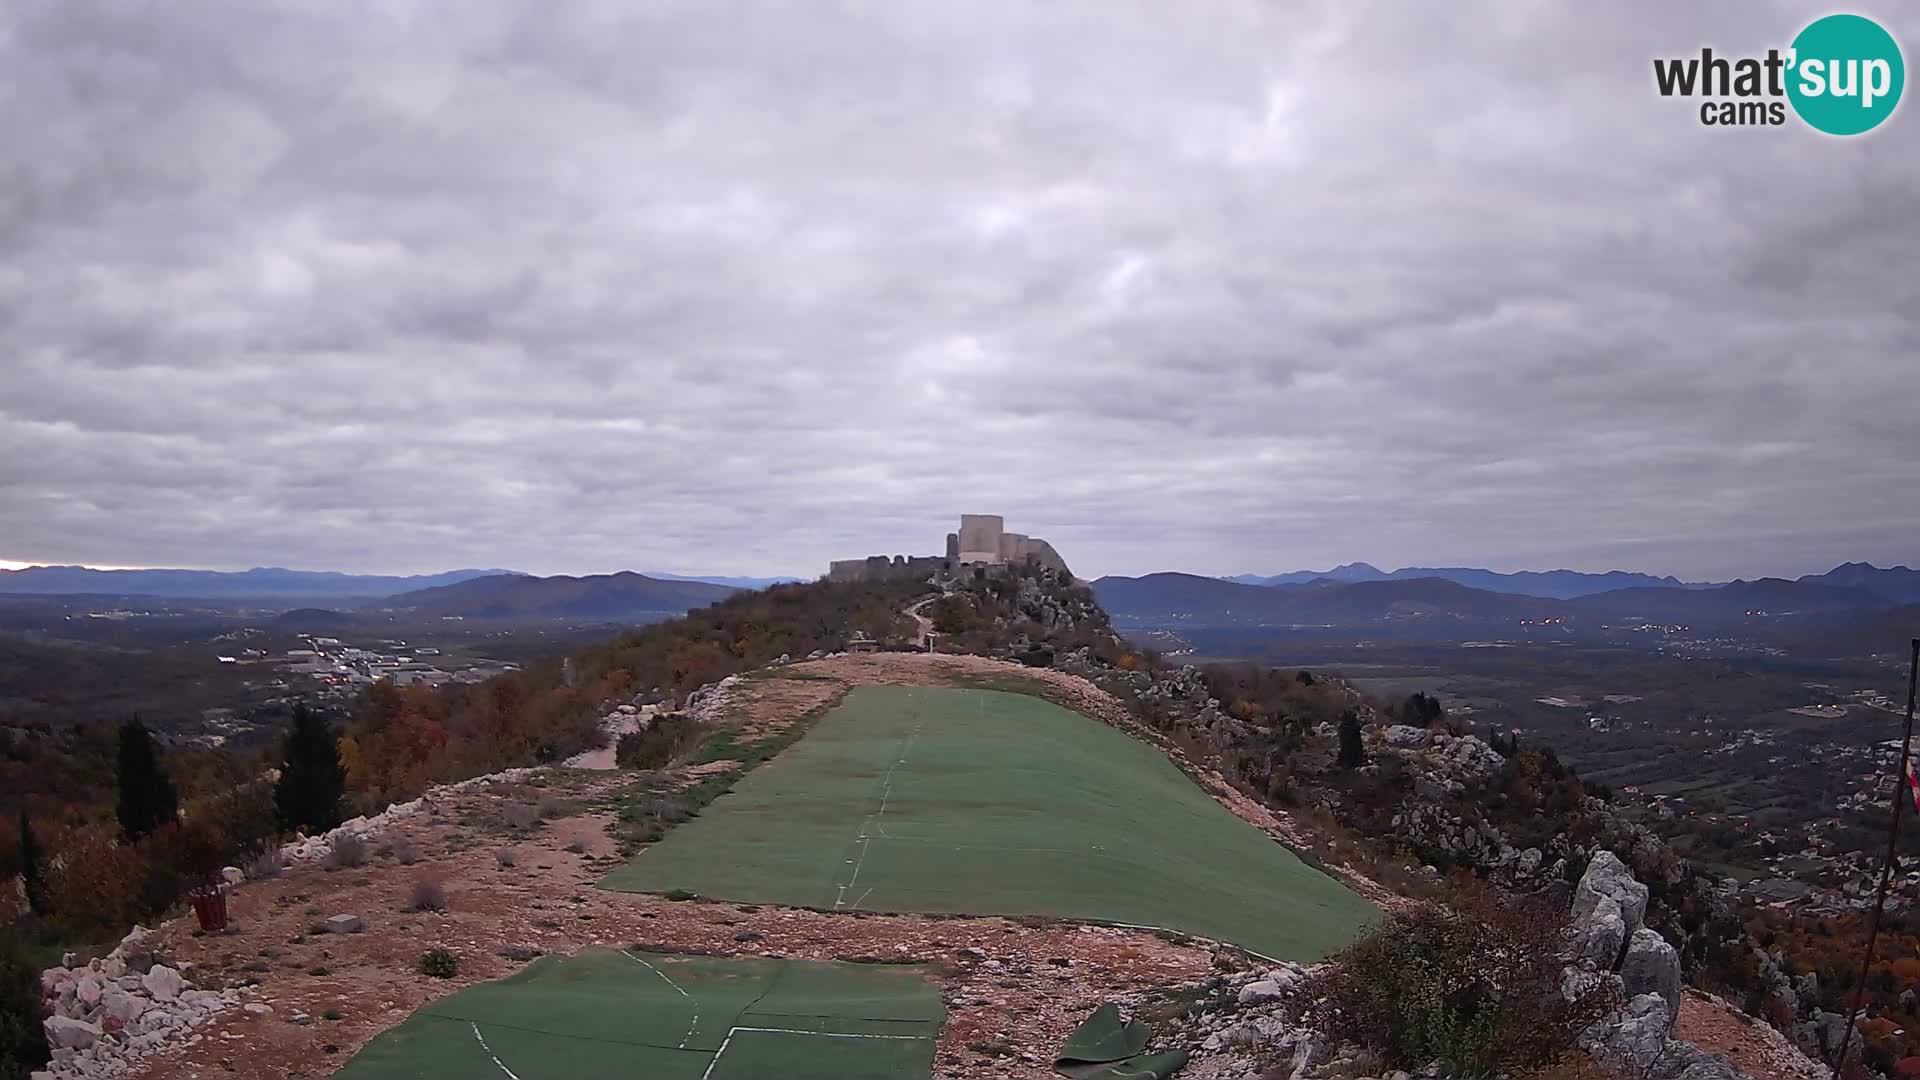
1104,1047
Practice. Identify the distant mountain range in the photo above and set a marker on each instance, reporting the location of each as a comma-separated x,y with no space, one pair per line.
269,583
609,596
1556,584
718,579
1187,599
261,582
1897,583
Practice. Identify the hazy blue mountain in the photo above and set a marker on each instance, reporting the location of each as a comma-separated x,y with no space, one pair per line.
1898,583
1202,601
1353,571
262,582
716,579
1554,584
1210,601
609,596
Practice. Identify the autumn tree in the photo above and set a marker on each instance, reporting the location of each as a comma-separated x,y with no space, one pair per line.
147,798
312,781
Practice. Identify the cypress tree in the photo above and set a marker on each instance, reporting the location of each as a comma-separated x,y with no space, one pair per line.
147,798
1353,752
312,781
31,871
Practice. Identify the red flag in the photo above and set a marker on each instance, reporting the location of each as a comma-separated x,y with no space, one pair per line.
1913,785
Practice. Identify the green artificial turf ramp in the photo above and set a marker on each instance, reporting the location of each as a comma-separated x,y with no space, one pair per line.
981,802
632,1014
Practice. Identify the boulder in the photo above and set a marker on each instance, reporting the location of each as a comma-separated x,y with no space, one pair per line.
1527,862
1684,1061
1407,737
1473,759
1652,966
345,924
232,875
1609,877
122,1006
64,1032
1636,1037
89,989
1261,992
1601,935
163,982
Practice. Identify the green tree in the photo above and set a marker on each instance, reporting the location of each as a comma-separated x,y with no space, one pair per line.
1353,753
312,780
147,799
32,872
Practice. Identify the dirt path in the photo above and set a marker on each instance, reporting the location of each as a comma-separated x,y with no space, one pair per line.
925,624
1754,1047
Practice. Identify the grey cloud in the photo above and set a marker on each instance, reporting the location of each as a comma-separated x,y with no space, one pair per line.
746,287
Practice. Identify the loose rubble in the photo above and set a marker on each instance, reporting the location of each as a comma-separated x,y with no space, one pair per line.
114,1012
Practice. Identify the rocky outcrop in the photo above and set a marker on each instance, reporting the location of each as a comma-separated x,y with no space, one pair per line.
1651,966
1601,937
1609,905
1608,877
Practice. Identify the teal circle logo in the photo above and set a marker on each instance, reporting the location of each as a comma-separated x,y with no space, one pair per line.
1846,75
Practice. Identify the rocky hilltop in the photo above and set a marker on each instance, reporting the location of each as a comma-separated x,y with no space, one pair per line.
1405,806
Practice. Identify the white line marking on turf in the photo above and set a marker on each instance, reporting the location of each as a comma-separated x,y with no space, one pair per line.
489,1050
688,1037
830,1034
875,820
794,1031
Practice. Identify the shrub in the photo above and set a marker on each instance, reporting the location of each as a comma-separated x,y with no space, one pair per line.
439,963
347,850
667,737
429,895
521,816
181,857
505,857
94,886
23,1040
265,866
405,851
1476,983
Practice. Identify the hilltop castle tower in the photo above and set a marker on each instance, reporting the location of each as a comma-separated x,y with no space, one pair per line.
983,540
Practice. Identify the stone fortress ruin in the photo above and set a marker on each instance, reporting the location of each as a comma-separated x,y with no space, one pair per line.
983,541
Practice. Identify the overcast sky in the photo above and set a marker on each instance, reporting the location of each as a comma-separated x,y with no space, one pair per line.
725,287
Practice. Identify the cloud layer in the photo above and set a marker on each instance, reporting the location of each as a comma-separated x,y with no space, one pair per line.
745,287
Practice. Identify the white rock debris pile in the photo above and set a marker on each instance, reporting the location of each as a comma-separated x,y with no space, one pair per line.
119,1008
